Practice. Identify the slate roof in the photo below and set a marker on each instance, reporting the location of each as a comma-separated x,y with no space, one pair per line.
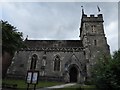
53,43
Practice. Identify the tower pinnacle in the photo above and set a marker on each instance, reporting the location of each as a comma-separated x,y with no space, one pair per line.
82,10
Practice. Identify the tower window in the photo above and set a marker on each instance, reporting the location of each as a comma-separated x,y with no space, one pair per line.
57,64
84,53
95,42
33,61
93,28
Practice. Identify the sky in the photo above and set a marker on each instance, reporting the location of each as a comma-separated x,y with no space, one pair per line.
59,20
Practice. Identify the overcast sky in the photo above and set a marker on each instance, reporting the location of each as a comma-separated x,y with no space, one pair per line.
59,20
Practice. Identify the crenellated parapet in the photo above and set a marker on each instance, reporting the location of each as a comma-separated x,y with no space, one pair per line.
92,18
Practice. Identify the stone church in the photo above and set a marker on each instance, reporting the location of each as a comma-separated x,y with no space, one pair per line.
63,60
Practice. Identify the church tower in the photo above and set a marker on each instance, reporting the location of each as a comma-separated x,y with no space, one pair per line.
93,39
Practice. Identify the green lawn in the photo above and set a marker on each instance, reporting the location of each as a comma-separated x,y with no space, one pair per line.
23,84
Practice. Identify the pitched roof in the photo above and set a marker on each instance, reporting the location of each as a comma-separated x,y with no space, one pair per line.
53,43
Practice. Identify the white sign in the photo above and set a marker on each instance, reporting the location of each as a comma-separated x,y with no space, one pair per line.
35,77
29,77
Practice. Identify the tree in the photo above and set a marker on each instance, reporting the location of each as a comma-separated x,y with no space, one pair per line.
106,72
12,40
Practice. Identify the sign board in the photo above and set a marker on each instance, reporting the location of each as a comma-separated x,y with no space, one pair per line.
29,77
32,77
35,78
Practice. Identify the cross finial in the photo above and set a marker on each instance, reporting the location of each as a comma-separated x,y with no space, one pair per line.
26,37
82,10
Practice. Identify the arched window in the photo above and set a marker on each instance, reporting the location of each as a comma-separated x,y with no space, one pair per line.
57,64
33,61
95,42
93,28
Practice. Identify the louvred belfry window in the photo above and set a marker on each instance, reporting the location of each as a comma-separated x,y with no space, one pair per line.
95,42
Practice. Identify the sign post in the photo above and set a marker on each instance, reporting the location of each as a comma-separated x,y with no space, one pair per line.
32,78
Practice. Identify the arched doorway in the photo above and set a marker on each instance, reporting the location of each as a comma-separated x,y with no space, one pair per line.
73,72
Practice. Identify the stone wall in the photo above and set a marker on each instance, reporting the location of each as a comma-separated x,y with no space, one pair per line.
22,60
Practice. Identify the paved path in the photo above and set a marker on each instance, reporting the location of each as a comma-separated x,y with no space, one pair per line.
57,86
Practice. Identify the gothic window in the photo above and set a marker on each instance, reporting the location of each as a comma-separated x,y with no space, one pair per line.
93,28
57,64
33,61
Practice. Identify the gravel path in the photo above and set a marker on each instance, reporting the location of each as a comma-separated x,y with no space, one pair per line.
57,86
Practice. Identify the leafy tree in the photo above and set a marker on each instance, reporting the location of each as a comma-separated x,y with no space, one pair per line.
12,40
106,72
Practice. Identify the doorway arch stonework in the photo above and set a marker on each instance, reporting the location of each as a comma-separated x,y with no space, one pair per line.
74,73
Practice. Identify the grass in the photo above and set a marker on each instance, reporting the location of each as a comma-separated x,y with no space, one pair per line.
20,83
23,84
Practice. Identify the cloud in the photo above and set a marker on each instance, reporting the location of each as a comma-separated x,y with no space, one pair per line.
112,35
119,25
59,1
